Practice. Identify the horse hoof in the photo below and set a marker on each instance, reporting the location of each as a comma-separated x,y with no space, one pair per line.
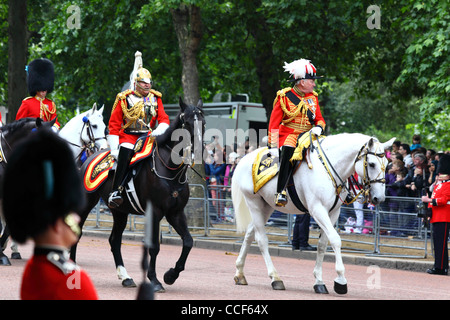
278,285
320,289
16,255
128,283
240,281
158,288
4,261
340,288
170,276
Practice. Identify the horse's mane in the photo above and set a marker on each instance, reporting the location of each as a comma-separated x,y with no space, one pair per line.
17,125
165,138
346,137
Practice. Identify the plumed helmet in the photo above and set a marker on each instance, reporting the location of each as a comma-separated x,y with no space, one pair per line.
139,73
143,75
41,184
301,69
444,164
41,76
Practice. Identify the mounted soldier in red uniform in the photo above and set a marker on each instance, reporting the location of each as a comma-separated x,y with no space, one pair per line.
40,81
295,111
137,111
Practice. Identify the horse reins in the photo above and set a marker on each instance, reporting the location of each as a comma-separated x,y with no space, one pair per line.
362,155
2,153
90,146
182,165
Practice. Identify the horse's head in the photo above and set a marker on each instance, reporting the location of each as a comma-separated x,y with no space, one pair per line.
191,121
370,165
39,123
93,128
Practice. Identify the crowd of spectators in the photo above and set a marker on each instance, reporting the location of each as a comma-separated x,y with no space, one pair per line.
220,163
411,173
411,169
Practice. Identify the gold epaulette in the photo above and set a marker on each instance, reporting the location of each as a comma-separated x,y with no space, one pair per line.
121,96
27,98
156,93
315,93
281,93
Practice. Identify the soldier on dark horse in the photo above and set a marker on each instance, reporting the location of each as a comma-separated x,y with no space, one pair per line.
134,113
34,111
151,168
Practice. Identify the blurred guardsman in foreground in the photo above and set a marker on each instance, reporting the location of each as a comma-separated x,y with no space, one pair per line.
40,81
42,195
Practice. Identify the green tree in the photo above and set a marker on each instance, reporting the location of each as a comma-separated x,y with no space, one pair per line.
427,61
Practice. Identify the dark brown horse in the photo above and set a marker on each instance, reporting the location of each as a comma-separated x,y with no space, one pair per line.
10,135
160,179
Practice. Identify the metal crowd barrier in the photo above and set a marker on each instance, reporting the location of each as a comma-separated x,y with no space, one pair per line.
392,229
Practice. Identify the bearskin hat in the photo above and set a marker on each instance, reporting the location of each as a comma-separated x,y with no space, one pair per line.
41,184
444,164
41,76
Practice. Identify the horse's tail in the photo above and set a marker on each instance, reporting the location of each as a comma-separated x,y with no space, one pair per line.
241,212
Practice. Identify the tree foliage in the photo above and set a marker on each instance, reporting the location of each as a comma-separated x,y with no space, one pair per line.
392,81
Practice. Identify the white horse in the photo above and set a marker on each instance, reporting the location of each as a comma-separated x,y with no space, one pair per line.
85,132
347,153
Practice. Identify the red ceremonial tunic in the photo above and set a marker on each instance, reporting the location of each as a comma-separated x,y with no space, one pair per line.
118,119
51,277
286,125
440,203
33,107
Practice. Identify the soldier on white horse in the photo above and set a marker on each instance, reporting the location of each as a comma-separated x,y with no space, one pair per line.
317,185
295,111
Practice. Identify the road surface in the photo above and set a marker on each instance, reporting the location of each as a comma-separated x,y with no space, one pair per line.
209,276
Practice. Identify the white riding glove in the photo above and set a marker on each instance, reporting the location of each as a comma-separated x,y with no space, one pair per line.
113,141
162,127
317,131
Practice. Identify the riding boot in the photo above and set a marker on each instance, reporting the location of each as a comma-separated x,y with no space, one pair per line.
283,175
115,198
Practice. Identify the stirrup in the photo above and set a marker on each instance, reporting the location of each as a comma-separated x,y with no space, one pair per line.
281,199
115,199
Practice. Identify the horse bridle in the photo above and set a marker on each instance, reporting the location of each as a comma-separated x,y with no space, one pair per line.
187,151
186,162
90,145
363,153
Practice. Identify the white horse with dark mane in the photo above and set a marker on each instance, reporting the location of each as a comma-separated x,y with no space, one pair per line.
319,188
85,133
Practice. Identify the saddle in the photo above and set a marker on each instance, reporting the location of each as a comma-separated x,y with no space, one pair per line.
265,167
97,168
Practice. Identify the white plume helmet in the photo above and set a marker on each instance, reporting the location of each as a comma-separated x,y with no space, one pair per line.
137,64
301,69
